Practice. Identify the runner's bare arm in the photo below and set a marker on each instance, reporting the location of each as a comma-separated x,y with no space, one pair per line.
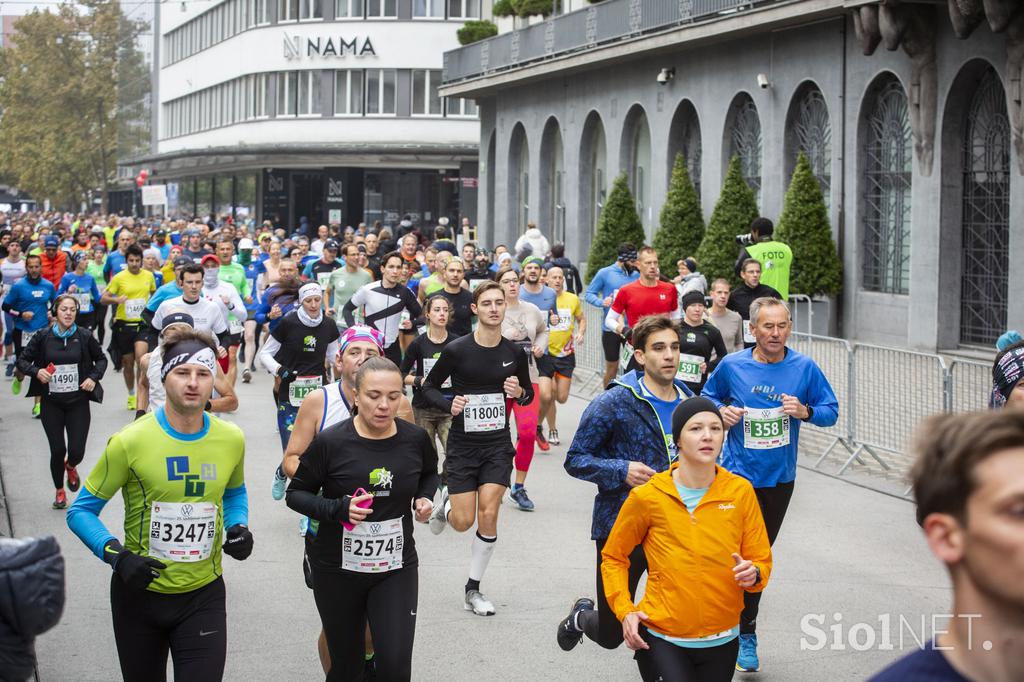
227,400
142,398
303,431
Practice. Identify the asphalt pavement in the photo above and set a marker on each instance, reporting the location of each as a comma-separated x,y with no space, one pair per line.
848,561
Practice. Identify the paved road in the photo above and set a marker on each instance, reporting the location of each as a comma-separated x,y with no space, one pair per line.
843,550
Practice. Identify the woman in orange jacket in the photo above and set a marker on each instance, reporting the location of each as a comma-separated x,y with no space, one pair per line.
705,541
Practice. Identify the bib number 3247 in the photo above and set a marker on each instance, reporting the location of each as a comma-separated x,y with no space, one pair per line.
765,429
182,531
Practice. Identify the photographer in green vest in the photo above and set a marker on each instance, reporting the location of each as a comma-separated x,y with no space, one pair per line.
775,257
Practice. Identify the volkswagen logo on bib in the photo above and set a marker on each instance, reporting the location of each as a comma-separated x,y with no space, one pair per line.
186,510
374,528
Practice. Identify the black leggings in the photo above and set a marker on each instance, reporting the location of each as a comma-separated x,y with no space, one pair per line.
601,625
59,418
192,625
394,352
665,661
773,502
345,602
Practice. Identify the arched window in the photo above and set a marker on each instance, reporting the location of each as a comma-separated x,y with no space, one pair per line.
552,182
887,182
744,141
592,174
636,159
809,130
684,138
492,153
519,179
986,214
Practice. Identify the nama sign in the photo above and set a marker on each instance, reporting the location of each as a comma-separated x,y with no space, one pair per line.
295,47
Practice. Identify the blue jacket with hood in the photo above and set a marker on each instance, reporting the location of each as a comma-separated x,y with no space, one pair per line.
620,426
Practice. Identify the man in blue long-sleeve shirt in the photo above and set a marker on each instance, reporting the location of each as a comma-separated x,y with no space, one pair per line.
601,293
764,393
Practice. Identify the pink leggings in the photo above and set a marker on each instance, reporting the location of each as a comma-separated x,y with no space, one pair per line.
526,430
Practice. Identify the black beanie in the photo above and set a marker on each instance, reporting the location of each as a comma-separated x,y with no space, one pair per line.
691,297
687,409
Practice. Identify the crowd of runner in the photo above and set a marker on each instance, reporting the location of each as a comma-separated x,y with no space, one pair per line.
692,446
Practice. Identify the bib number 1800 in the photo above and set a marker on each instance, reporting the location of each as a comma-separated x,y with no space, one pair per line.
484,413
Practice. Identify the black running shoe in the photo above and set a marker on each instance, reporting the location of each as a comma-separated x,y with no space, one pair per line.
568,634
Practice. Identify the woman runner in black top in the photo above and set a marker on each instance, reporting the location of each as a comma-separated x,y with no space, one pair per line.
66,364
697,338
367,572
487,372
419,359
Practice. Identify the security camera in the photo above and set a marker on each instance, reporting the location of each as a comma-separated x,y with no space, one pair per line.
665,75
762,81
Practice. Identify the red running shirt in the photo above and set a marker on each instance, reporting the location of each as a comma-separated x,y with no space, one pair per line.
636,301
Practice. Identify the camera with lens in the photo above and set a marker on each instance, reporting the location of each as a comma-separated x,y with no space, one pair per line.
745,239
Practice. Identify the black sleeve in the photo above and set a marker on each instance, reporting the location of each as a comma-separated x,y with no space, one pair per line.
523,374
774,293
303,491
223,339
715,337
412,354
29,354
429,480
412,305
147,317
744,255
347,312
99,358
432,382
7,307
577,280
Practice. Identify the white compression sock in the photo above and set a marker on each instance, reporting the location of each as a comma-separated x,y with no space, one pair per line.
483,548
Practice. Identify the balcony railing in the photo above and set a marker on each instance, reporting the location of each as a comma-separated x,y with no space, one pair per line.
601,24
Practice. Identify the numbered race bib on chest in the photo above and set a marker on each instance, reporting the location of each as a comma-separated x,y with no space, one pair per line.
564,320
626,356
133,308
689,368
182,531
84,301
27,336
64,379
234,326
373,547
484,412
323,279
428,366
765,428
301,387
748,335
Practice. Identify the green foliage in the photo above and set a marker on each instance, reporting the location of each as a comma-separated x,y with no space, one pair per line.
503,8
474,31
804,226
682,224
526,8
733,213
619,223
72,91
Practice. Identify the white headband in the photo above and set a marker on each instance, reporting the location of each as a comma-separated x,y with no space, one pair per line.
310,289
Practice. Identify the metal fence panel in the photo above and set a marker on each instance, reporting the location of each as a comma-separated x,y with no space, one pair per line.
970,384
570,32
612,20
531,42
895,389
657,14
834,358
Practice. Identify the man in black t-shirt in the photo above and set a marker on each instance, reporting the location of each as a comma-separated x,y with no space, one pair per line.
968,483
746,293
487,372
460,300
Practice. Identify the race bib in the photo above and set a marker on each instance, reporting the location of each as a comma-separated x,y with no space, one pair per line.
323,279
84,302
133,308
748,335
182,531
373,547
625,356
27,336
689,368
234,326
564,320
484,412
301,387
474,283
64,379
765,428
428,365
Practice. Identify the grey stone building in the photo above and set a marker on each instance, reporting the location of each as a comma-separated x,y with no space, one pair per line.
910,113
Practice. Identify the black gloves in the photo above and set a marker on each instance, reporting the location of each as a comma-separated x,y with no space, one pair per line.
139,414
239,542
286,374
136,571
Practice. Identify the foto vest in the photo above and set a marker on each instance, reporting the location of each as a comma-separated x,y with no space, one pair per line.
776,259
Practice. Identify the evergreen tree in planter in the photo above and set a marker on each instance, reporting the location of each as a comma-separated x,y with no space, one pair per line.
804,226
682,224
735,210
473,31
618,223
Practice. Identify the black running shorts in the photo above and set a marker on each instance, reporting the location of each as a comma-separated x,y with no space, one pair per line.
470,465
549,365
612,345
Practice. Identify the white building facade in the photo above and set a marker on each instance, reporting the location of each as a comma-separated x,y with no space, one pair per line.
319,109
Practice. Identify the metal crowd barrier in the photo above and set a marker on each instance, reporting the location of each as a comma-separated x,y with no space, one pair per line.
883,394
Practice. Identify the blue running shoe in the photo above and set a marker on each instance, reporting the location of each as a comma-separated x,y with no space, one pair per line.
280,483
520,499
9,372
746,661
